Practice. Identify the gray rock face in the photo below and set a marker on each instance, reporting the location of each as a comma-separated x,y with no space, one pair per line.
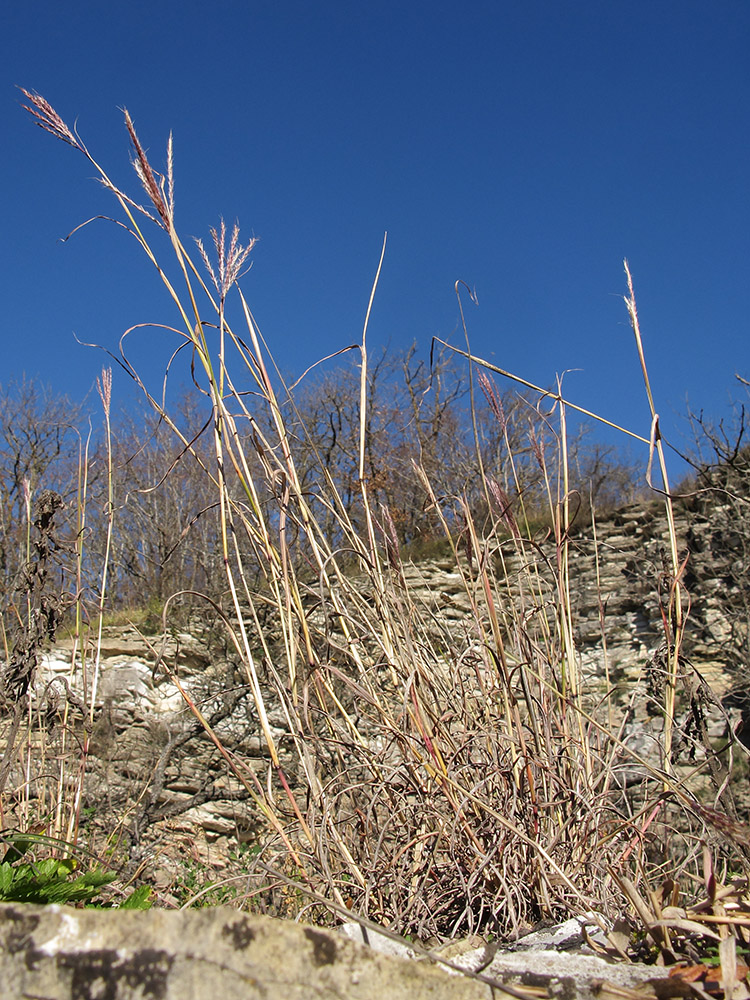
147,746
58,953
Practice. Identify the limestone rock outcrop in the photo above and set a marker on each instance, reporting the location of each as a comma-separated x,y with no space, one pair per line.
152,767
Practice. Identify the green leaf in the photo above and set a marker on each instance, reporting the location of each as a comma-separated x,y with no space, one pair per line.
84,888
6,878
18,847
44,871
49,881
139,899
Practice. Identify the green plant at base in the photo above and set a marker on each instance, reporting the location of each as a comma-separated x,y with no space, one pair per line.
54,880
50,881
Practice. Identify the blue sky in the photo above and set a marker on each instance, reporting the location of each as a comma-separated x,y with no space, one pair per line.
522,147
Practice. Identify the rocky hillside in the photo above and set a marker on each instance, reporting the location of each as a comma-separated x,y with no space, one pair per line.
159,790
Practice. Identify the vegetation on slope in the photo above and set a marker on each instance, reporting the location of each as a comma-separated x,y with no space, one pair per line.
439,780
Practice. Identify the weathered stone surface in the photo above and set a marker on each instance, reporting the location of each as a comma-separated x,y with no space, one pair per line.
569,976
557,960
58,953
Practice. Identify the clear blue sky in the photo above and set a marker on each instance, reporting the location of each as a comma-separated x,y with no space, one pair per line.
524,147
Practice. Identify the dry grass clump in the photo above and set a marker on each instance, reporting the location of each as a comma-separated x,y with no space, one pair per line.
439,778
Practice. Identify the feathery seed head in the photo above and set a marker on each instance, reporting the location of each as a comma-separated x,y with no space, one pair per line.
147,176
493,398
48,119
229,259
104,388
